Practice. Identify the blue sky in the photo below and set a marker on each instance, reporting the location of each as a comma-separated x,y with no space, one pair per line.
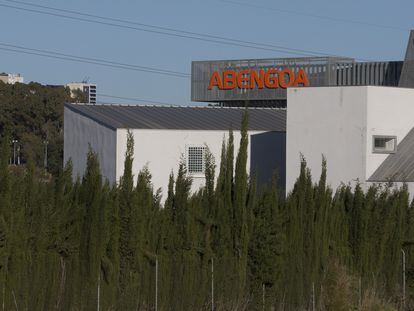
368,29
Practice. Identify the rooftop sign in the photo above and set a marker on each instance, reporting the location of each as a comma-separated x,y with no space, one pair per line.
251,79
266,80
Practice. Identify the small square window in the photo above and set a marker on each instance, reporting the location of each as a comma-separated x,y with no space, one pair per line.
196,160
384,144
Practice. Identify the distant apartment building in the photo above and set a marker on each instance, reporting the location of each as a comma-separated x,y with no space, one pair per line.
11,78
87,88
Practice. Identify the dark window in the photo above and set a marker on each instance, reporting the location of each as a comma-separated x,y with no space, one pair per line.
384,144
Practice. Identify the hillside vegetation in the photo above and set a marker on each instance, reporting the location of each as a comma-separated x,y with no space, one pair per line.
32,114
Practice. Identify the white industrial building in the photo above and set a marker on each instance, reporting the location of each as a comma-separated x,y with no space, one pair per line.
359,115
365,132
164,136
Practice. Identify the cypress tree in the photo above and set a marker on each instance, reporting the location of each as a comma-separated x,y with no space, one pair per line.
225,264
5,179
266,248
125,210
408,247
209,192
321,235
297,201
92,195
60,240
111,258
143,222
240,212
64,230
5,205
339,228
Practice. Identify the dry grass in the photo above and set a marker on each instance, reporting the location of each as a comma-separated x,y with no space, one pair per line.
371,302
342,293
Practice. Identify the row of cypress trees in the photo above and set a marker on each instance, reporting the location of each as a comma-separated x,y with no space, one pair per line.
85,244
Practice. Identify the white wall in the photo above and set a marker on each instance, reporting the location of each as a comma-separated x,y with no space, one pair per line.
329,121
79,133
162,150
390,112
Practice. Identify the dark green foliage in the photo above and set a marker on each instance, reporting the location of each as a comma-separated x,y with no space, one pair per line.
33,113
241,212
127,279
267,247
66,244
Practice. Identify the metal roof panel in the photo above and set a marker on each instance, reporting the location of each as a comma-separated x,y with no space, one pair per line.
182,118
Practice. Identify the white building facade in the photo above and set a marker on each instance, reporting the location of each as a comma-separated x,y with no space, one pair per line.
165,136
11,78
89,89
364,132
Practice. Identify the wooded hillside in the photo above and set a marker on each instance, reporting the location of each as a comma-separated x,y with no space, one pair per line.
33,114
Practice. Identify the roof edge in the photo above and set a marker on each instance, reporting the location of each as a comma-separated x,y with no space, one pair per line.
73,109
176,106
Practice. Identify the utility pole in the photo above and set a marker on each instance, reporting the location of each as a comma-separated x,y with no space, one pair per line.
45,142
18,155
156,283
212,284
403,278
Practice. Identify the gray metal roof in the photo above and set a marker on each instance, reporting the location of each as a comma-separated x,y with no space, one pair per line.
181,118
399,166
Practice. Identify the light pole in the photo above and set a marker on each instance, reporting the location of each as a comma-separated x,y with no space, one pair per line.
14,141
45,142
263,296
212,284
156,283
18,155
98,307
313,296
403,278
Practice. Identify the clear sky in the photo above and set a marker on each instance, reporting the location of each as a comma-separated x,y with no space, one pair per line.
364,29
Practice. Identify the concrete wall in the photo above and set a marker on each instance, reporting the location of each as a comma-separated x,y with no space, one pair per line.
161,151
329,121
79,133
340,122
390,113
